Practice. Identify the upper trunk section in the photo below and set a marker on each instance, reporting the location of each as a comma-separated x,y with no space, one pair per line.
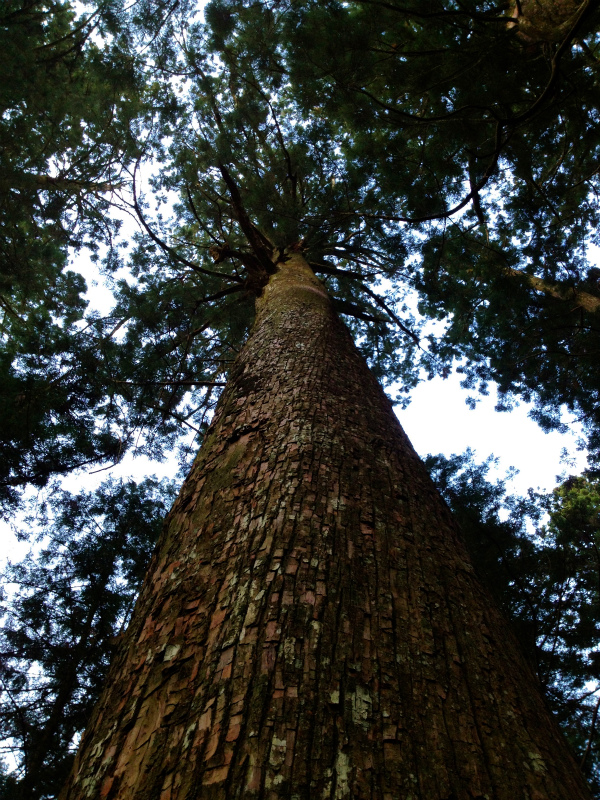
311,626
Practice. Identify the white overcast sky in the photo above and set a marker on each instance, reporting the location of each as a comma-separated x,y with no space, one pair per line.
439,421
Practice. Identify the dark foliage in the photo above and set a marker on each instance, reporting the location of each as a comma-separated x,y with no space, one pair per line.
63,607
471,129
69,98
444,152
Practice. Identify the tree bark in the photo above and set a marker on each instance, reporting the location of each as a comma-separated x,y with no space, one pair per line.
311,626
549,21
577,297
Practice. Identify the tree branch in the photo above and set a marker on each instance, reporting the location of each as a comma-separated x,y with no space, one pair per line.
259,243
587,301
170,250
172,383
345,307
320,267
382,304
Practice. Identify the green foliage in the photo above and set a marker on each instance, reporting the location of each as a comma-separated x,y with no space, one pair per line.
478,140
572,592
65,137
63,606
77,388
280,126
255,176
539,556
68,102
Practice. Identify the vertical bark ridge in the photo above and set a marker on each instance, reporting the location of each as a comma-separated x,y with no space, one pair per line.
310,626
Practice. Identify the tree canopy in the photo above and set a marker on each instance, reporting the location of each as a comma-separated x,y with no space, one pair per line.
442,154
69,103
469,131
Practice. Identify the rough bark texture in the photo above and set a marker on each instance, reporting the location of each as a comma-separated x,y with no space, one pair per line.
548,20
311,626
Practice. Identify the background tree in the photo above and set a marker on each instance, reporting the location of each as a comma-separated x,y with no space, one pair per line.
63,606
71,106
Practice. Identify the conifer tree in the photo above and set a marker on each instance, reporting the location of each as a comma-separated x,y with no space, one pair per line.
267,192
64,606
310,624
71,105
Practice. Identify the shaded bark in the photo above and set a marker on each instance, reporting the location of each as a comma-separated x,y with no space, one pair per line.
549,21
577,297
311,626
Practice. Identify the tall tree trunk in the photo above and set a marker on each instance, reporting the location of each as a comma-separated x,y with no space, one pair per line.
311,626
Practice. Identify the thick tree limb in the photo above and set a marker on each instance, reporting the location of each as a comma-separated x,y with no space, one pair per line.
346,307
585,10
320,267
260,244
585,300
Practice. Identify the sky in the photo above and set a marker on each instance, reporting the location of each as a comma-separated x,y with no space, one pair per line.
439,421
